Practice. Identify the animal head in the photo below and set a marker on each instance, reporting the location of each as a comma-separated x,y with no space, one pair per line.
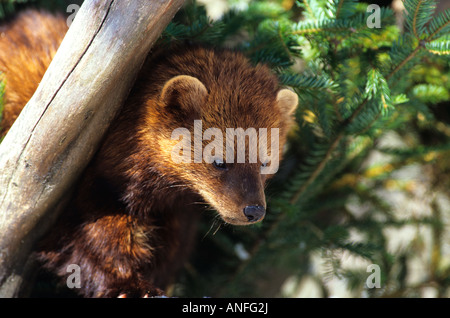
227,126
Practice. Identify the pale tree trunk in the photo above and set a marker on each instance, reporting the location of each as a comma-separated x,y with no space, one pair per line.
60,128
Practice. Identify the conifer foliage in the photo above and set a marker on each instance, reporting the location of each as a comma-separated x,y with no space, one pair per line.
337,192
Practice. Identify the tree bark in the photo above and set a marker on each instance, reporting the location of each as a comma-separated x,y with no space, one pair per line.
60,128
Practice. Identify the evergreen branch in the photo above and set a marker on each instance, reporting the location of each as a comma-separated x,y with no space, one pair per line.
339,7
354,26
439,52
302,81
308,8
342,133
439,24
377,86
327,25
438,30
403,63
283,44
416,13
319,168
429,93
329,154
439,47
419,14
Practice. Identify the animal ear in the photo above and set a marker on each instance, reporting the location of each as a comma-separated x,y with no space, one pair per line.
287,101
184,92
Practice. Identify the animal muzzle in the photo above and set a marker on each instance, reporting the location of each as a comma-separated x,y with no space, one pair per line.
254,213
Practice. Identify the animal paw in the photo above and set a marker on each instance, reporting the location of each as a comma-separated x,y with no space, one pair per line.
154,292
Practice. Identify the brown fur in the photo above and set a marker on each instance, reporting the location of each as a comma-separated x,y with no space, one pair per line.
27,46
131,222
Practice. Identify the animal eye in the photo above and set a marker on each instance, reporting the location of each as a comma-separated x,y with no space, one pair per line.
219,164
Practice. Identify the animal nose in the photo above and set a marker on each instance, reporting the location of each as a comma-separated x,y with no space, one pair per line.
254,213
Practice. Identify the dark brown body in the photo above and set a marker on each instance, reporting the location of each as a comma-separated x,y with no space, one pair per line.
132,220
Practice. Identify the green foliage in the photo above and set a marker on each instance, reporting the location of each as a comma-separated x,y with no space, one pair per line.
356,85
6,7
418,14
429,93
